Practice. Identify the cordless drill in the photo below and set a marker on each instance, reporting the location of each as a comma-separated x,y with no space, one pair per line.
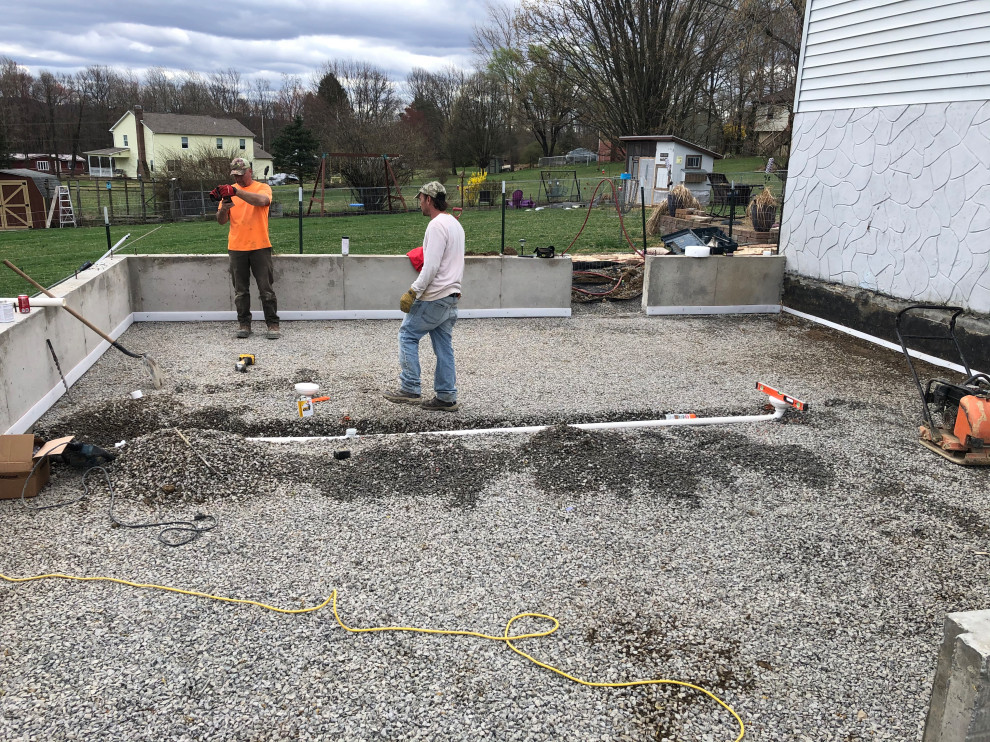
243,361
223,192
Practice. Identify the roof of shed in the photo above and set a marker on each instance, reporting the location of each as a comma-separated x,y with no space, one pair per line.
671,138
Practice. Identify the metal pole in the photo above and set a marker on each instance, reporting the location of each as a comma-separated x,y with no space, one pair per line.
503,218
642,202
732,205
300,219
106,221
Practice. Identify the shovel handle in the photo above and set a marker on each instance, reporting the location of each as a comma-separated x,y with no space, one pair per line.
70,310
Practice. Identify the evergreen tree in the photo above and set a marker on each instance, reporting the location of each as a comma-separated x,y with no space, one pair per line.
296,150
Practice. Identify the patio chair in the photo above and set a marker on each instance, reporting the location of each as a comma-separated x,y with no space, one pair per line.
518,202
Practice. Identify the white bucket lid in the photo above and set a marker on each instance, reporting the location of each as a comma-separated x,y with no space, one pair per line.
697,251
307,388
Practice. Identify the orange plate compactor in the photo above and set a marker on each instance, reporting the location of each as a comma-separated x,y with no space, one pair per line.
956,421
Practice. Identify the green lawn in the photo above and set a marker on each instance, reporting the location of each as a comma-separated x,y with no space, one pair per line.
49,255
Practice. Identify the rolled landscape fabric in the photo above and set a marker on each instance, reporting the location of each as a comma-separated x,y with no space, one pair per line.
40,301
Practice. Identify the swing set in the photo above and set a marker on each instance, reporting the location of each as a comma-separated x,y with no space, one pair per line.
393,193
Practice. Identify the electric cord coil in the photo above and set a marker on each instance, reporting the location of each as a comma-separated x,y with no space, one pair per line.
331,600
182,531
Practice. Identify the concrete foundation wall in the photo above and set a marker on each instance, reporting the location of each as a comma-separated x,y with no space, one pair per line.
337,287
28,376
874,314
197,287
675,284
959,709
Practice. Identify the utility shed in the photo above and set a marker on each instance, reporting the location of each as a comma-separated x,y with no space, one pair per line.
23,198
888,185
659,162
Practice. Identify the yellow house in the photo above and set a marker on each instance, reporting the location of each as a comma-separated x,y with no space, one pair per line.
148,144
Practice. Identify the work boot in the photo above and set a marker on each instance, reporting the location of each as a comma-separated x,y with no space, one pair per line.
244,331
273,333
438,404
403,397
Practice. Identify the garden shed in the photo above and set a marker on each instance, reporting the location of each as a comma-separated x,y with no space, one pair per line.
24,195
659,162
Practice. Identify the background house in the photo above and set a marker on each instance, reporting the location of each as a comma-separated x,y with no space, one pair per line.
772,123
888,188
150,143
657,163
57,165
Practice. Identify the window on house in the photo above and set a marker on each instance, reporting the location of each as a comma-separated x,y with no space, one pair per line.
185,142
692,162
152,165
244,144
171,164
125,140
219,142
43,165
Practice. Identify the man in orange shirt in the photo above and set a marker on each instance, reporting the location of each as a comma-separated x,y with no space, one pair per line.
248,246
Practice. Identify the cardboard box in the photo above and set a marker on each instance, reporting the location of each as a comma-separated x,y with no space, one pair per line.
18,456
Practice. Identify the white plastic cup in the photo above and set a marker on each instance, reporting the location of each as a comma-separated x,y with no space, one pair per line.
345,245
137,394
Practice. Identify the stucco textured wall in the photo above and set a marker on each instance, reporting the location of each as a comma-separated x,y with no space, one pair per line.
893,199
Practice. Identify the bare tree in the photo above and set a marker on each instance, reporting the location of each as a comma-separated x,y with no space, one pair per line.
371,94
225,92
289,99
194,94
433,96
159,93
15,105
478,123
640,66
52,91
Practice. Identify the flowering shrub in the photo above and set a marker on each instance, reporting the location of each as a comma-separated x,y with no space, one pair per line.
474,184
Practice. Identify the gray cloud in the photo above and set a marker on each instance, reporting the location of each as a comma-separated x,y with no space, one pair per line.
258,39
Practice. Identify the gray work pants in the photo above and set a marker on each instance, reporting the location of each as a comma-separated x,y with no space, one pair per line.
259,262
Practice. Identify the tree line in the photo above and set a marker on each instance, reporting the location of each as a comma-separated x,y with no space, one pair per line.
549,75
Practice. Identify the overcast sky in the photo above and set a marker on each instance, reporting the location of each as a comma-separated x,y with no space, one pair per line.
257,38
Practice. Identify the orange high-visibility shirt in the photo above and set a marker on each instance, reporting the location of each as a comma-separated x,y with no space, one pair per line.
249,224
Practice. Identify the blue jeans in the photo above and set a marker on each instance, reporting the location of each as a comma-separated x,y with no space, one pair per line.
436,318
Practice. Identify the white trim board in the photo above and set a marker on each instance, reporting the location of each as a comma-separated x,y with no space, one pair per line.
343,314
879,341
718,309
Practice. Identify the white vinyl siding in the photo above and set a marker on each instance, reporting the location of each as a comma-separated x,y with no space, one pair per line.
865,53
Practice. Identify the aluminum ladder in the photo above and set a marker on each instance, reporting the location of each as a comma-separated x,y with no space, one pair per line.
66,216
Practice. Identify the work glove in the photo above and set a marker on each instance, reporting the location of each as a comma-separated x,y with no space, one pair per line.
406,302
222,192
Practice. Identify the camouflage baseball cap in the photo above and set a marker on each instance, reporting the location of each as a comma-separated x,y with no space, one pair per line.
433,189
238,166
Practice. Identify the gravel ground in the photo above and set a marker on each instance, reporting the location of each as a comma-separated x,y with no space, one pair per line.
800,570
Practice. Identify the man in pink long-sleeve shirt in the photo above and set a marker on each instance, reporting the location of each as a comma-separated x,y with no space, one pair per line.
431,306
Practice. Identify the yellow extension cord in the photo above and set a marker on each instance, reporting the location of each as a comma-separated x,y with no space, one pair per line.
333,599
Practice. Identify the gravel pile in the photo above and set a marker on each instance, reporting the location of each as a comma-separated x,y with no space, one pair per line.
800,570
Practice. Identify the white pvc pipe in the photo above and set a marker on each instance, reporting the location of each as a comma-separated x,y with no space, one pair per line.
110,251
40,301
779,408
